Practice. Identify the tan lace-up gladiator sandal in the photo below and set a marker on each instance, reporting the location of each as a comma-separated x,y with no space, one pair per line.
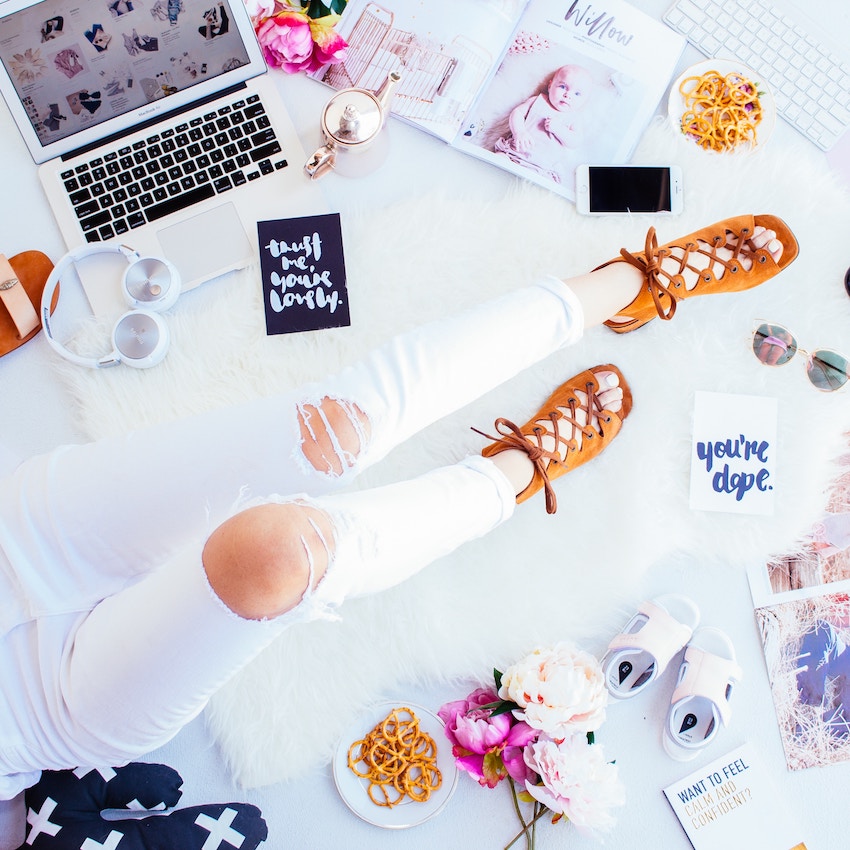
558,419
746,268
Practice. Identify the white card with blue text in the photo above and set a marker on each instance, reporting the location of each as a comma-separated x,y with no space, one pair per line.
732,804
733,455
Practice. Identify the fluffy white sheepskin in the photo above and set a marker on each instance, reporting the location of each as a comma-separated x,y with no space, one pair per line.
538,578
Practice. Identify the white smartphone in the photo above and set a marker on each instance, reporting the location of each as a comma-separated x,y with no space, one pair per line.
611,189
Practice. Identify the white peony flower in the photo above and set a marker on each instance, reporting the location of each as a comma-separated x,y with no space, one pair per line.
577,781
260,8
559,690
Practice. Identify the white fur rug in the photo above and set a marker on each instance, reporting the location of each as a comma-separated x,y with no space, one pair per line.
538,578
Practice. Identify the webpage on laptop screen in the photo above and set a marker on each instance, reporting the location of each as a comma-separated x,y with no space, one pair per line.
76,64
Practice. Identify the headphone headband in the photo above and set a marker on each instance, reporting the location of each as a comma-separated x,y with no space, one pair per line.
140,337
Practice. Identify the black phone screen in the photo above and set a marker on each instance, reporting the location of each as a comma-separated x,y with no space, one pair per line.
637,189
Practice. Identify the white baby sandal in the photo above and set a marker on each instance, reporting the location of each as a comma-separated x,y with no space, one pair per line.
652,637
700,702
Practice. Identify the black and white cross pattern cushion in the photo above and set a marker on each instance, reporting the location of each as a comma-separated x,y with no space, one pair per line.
129,808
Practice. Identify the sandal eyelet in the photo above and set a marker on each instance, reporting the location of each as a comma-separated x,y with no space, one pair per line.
762,259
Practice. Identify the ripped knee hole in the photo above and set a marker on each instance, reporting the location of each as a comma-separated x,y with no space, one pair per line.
333,434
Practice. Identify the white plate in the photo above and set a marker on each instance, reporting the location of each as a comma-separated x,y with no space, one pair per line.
354,790
676,103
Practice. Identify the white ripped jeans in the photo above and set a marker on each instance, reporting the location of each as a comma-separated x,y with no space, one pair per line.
114,639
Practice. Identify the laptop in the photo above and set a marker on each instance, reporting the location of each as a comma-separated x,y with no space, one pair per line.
153,123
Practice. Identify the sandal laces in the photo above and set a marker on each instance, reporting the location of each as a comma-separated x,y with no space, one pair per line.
511,437
649,264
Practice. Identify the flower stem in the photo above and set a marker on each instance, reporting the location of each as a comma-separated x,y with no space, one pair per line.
517,838
524,830
540,811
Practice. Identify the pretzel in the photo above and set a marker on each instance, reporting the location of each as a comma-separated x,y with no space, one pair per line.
398,759
721,111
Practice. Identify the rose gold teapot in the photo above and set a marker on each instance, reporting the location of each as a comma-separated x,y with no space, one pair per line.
352,124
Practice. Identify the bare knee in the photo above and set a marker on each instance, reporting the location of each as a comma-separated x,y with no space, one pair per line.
261,561
333,434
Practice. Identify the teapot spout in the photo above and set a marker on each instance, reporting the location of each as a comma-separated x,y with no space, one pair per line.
322,161
385,93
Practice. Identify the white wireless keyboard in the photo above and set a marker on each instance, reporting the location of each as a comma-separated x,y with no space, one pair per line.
810,84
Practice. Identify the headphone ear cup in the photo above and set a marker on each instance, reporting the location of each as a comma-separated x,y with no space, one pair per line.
151,283
140,339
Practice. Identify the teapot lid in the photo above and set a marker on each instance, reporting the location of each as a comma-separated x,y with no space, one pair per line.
352,117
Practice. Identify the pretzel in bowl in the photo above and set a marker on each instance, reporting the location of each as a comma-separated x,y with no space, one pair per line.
398,759
722,111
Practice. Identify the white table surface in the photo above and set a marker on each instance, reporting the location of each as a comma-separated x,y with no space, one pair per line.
308,813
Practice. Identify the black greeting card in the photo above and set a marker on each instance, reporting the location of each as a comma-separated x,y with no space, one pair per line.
303,271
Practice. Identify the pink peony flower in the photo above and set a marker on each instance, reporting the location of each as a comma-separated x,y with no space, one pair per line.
577,781
559,690
258,9
488,748
330,45
293,41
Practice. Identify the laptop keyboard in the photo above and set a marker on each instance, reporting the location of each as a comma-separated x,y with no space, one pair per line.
173,168
810,84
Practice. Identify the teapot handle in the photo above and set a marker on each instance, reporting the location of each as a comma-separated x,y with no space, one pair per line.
320,162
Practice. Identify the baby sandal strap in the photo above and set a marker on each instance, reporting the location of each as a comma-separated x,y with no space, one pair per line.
700,704
641,652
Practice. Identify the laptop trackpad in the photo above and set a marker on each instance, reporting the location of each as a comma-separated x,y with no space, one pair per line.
207,244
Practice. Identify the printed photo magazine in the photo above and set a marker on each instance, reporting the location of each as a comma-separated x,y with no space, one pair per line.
802,607
536,87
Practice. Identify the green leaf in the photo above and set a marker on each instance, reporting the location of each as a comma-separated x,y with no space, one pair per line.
591,738
320,8
497,676
525,797
503,707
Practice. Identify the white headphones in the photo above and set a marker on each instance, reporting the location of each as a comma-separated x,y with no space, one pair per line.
140,337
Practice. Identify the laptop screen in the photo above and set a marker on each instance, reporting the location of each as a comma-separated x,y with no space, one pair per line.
75,65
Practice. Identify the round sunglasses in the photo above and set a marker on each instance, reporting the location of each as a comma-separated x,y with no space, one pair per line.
775,345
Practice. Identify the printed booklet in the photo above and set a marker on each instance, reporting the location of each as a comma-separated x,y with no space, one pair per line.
536,87
302,263
732,802
802,608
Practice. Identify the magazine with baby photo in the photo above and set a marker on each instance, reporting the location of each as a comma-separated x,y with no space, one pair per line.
536,87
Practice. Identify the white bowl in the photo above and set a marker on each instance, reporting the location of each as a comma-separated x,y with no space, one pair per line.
676,102
354,790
